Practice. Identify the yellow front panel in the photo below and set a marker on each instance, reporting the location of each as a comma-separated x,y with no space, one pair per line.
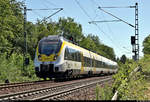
45,58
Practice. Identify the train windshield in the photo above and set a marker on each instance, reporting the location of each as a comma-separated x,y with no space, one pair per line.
48,47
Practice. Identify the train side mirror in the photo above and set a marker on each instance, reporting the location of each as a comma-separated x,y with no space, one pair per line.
26,61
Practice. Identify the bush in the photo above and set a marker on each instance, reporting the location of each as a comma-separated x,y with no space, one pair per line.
12,69
104,93
130,87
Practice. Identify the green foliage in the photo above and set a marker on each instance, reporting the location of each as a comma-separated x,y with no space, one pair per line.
104,93
10,25
70,28
12,69
129,86
12,39
123,59
97,92
93,43
146,45
144,62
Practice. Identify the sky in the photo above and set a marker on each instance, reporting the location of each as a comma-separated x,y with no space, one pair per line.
114,34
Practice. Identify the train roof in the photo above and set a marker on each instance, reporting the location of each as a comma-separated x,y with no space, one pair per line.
59,37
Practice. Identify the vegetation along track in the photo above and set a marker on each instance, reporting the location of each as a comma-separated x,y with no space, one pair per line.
55,92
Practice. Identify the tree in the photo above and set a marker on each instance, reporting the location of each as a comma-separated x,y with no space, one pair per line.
11,24
94,38
70,28
123,59
88,43
12,37
146,45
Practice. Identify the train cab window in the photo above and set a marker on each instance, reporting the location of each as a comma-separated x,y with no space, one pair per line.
48,47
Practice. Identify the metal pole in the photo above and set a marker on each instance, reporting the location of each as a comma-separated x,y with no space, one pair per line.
136,33
25,36
25,33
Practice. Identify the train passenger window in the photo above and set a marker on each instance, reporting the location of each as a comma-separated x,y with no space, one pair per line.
85,61
103,64
66,54
78,56
72,54
94,63
98,64
106,65
90,62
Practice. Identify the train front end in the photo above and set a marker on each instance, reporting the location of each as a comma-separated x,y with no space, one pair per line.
48,60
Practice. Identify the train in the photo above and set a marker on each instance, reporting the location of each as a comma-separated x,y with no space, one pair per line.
57,57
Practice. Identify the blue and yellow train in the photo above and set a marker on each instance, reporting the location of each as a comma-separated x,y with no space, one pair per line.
56,57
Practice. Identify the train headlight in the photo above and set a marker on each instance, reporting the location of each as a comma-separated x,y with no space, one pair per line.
55,57
39,57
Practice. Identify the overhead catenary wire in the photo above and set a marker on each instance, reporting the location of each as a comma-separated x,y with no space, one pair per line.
109,29
49,1
38,14
83,10
104,32
53,13
120,7
111,32
45,9
136,47
116,17
105,21
95,23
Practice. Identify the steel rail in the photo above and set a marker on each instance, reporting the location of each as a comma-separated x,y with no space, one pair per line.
10,85
51,89
59,94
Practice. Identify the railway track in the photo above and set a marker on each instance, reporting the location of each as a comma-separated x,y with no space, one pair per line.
55,92
19,87
11,85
